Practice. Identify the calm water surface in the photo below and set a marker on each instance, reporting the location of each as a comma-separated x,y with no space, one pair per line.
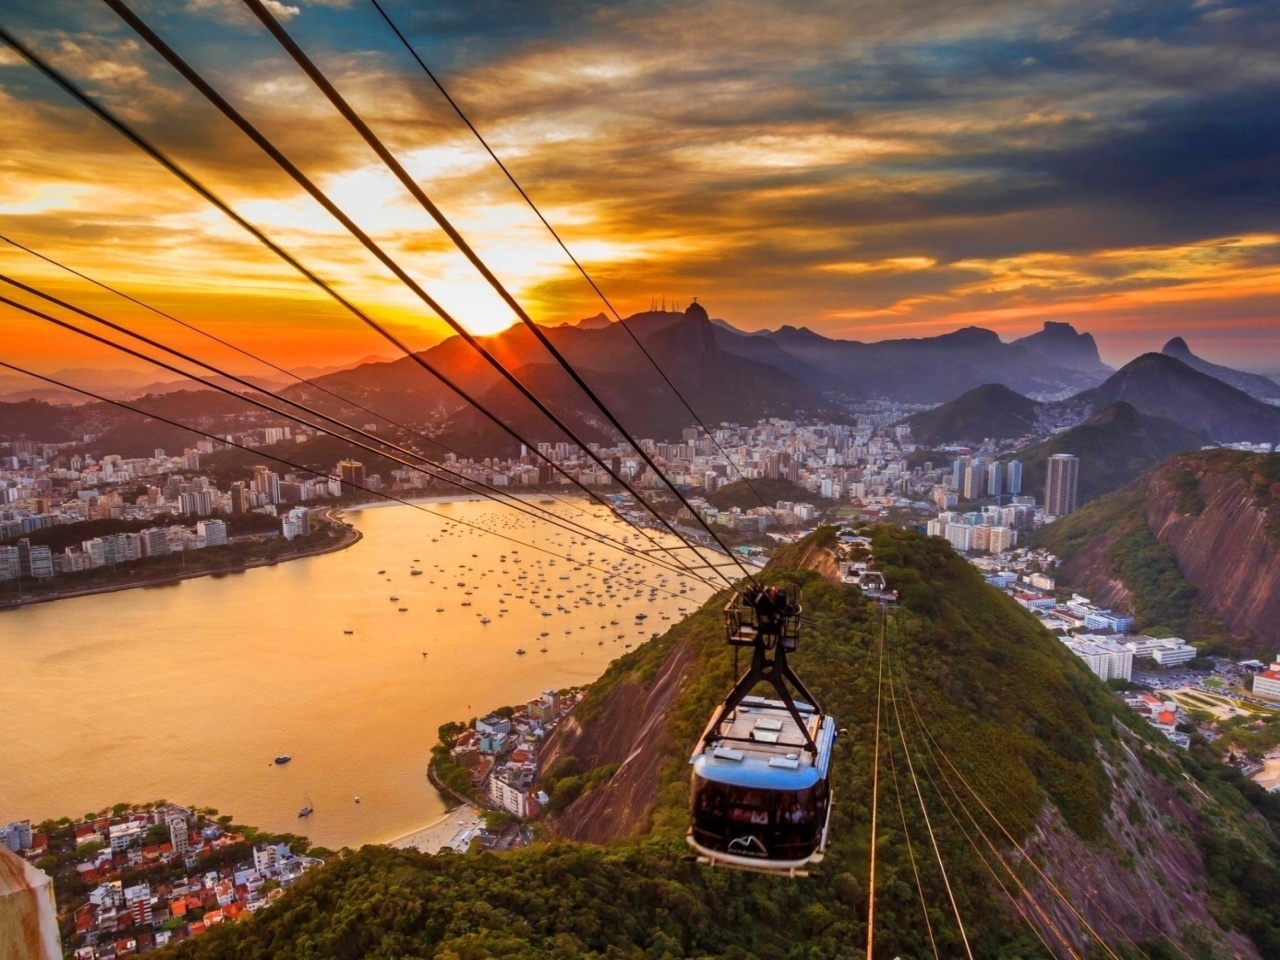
187,692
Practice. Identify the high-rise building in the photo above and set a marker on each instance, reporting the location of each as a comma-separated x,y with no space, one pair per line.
995,479
239,497
17,835
975,479
352,474
1062,472
266,482
1013,477
213,531
34,561
178,836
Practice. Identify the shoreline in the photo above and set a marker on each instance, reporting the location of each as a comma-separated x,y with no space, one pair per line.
450,498
454,829
352,537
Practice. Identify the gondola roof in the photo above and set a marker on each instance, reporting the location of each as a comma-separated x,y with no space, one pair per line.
761,746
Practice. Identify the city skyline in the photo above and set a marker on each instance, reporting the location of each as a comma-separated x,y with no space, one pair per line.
872,174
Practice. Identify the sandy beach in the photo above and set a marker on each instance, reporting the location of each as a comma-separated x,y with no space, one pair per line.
1269,775
455,829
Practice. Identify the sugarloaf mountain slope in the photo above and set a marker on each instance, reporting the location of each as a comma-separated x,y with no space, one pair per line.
967,691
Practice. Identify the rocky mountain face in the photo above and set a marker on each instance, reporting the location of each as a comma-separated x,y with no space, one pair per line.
1254,384
1062,345
637,727
1216,514
1164,386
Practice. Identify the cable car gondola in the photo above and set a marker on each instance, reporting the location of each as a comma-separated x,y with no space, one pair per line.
760,797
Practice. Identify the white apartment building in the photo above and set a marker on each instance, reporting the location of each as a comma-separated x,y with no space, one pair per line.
509,797
1168,652
1267,683
1106,658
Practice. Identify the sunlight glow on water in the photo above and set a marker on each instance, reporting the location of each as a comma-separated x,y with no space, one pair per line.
187,692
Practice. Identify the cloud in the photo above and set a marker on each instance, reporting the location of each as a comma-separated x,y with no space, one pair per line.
903,162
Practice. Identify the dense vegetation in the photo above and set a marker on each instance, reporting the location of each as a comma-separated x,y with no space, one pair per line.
1132,554
1161,595
1018,716
1115,446
991,411
746,496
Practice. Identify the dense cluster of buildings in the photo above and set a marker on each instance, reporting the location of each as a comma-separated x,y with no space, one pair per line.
154,877
41,486
501,753
1098,636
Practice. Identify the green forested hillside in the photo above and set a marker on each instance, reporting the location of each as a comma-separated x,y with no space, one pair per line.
991,411
1115,445
1023,721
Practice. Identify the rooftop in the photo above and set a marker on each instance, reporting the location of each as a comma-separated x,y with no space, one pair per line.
761,745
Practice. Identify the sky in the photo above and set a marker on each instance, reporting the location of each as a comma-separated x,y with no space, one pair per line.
870,170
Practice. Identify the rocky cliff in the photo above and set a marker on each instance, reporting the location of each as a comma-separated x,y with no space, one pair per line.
960,691
1112,816
1215,514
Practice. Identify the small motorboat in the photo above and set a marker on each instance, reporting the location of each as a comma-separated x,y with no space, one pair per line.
283,759
394,599
348,632
520,652
402,609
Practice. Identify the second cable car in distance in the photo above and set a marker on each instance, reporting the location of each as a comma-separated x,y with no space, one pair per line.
760,796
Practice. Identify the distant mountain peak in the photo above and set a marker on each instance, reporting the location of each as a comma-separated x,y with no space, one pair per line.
1254,384
971,334
1061,343
696,311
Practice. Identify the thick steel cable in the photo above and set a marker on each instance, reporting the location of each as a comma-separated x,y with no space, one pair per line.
173,167
405,451
915,871
317,473
192,76
875,797
284,413
1044,877
933,840
574,260
1040,912
331,93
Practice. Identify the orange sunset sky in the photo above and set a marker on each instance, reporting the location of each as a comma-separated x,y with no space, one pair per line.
871,170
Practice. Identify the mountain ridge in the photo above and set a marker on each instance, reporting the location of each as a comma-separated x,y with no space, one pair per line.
1115,445
1198,534
1254,384
1163,386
